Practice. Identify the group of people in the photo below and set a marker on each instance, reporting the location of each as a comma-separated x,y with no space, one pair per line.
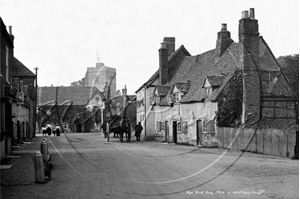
49,129
138,130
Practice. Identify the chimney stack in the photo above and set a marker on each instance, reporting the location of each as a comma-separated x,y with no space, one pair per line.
12,38
249,63
223,41
252,13
245,14
10,30
170,43
163,64
124,91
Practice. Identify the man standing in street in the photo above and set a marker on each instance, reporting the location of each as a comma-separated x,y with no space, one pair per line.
138,130
105,128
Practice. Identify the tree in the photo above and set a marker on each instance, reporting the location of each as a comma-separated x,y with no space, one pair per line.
79,82
290,67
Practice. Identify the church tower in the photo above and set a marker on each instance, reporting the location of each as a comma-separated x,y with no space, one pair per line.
99,75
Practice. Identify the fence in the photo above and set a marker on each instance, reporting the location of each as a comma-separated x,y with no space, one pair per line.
264,141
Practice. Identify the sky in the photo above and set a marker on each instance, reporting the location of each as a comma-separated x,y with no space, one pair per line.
64,37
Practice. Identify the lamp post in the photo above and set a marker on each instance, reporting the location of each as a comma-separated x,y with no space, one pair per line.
35,103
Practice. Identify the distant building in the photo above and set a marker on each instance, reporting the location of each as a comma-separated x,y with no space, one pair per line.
77,108
101,75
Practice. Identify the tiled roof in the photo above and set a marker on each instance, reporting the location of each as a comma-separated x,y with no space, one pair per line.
79,95
20,70
162,90
156,74
164,101
183,86
132,97
217,91
82,118
197,68
215,80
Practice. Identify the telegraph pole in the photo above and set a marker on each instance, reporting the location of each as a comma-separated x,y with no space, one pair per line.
35,103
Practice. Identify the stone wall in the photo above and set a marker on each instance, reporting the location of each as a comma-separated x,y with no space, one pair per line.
99,75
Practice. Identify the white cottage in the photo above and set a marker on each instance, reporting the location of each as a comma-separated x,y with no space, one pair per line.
235,84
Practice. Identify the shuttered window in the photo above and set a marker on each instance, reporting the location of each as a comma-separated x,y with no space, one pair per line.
158,129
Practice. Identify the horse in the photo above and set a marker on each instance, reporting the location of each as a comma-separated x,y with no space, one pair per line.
44,131
119,127
125,128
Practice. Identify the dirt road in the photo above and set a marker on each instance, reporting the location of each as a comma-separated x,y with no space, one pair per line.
87,166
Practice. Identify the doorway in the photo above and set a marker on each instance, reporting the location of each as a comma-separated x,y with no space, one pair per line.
199,132
166,131
18,132
175,131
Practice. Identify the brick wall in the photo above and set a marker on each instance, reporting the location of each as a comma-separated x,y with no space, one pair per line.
249,59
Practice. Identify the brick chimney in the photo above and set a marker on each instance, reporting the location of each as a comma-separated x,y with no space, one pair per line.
163,64
12,38
249,60
224,40
124,91
170,43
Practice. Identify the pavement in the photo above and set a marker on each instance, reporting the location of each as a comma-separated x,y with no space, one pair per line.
17,169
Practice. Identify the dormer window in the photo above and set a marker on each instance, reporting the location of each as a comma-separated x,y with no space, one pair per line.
177,97
208,92
211,83
170,98
157,99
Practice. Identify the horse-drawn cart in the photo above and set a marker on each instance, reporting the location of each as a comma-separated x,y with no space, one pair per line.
118,117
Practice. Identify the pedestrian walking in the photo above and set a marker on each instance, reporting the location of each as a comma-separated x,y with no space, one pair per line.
57,130
44,131
105,128
49,129
138,130
54,130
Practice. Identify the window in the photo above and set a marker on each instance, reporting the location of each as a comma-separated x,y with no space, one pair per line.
182,127
7,64
205,127
179,126
6,56
208,92
162,126
157,99
170,98
141,118
177,97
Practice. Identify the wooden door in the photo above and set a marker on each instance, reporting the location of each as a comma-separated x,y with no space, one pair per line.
199,132
175,131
